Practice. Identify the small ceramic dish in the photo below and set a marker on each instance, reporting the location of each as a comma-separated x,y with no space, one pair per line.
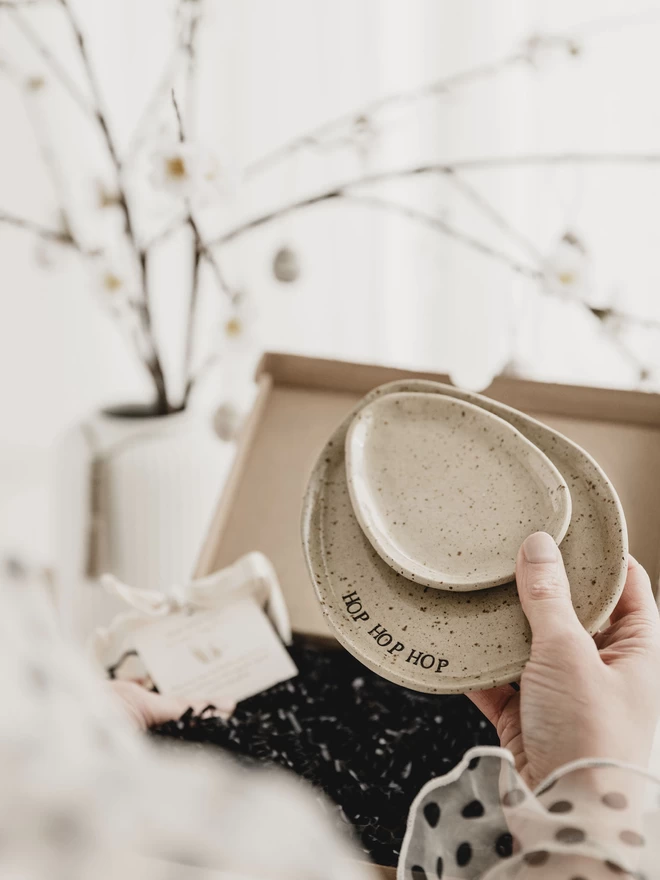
446,492
438,641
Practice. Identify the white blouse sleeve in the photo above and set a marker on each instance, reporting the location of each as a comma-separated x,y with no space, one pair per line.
84,796
590,820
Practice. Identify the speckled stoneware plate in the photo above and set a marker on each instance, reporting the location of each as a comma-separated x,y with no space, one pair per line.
447,642
446,492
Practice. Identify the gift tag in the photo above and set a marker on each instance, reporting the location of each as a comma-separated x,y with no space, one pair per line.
231,652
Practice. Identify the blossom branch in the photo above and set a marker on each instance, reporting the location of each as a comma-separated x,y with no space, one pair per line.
59,236
445,228
345,191
210,361
160,93
152,359
167,230
52,166
189,220
67,235
190,50
46,151
51,61
201,250
190,328
445,84
526,54
495,216
376,201
449,168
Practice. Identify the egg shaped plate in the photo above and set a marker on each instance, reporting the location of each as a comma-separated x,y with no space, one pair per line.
446,492
437,641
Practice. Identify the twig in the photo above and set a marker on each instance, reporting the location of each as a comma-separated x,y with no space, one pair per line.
179,118
200,244
164,85
190,328
152,360
625,350
275,214
48,157
344,192
163,88
54,235
445,84
494,215
190,48
51,60
52,166
437,167
21,4
206,365
167,230
472,75
201,250
98,107
376,201
493,162
67,235
446,229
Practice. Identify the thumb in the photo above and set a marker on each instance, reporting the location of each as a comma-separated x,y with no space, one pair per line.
545,594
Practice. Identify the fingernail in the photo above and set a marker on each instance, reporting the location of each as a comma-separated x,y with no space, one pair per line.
540,547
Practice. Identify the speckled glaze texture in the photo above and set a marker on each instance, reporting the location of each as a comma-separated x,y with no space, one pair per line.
446,492
447,642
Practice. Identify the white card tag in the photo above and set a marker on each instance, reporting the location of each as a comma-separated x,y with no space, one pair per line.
229,653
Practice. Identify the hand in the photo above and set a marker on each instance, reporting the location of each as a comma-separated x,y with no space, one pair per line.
580,697
147,709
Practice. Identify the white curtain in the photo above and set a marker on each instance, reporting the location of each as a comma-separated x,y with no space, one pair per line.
378,287
374,286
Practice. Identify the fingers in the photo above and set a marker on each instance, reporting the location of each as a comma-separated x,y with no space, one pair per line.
157,709
492,702
543,588
148,709
637,596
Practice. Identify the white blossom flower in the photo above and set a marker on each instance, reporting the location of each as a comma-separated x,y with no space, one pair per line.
567,268
238,324
542,50
35,83
186,171
116,276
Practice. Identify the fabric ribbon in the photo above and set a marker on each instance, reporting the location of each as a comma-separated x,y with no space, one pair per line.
251,576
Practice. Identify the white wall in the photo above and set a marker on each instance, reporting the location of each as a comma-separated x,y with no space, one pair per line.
372,287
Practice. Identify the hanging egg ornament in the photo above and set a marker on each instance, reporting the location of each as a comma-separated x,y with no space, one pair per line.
227,421
286,266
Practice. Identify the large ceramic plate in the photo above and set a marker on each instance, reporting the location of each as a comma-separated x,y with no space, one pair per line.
441,642
446,492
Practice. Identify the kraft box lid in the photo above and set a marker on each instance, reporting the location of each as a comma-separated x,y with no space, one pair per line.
301,400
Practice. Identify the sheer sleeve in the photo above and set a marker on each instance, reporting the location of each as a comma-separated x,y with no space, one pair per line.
84,796
591,820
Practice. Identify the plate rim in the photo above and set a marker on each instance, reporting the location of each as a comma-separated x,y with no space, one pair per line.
397,562
458,685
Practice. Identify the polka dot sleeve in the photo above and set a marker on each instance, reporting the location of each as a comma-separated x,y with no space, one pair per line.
590,820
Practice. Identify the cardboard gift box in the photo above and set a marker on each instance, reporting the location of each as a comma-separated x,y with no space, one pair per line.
300,401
